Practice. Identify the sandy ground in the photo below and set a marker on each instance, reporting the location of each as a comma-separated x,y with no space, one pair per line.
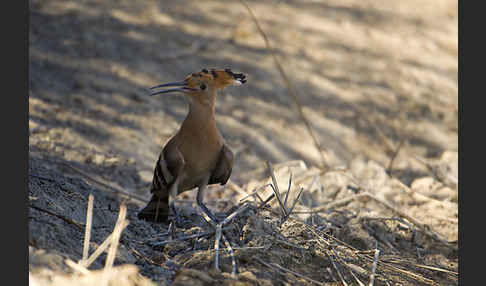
373,77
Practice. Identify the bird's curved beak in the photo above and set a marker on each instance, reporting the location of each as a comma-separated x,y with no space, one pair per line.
181,86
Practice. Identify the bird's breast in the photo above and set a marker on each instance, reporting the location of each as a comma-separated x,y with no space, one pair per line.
200,149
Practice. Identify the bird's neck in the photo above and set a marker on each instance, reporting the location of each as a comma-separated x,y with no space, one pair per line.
201,113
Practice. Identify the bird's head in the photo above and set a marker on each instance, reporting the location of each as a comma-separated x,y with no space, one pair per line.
203,82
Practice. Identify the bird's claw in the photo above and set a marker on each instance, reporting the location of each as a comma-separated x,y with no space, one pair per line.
218,225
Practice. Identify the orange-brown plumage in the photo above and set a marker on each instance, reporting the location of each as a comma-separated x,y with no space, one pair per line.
197,154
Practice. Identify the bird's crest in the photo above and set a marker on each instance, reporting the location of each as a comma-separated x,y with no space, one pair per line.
219,78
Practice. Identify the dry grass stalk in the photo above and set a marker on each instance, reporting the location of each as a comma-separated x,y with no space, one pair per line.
336,268
288,191
351,267
409,274
183,238
266,201
309,188
331,274
287,243
373,269
235,213
290,87
77,267
146,259
436,269
394,156
106,186
368,195
366,255
102,247
68,220
286,212
41,177
356,278
406,273
364,115
289,212
276,190
87,233
121,223
111,240
98,251
422,227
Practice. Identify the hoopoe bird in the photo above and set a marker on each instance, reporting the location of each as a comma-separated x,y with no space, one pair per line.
197,155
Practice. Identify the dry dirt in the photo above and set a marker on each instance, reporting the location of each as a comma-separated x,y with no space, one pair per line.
378,80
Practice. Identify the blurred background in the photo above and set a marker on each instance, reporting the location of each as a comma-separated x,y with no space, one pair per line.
377,82
375,79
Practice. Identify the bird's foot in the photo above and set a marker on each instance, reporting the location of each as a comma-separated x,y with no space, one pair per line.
218,225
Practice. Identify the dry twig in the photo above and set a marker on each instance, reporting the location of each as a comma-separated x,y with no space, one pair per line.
373,269
68,220
354,276
102,247
183,238
106,186
87,233
42,177
288,191
76,266
421,226
121,223
336,268
394,155
290,87
368,195
276,190
286,212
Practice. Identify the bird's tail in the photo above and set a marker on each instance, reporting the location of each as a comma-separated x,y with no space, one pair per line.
157,210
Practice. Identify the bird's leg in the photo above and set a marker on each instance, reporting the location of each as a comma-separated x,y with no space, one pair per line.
208,216
218,225
219,235
175,217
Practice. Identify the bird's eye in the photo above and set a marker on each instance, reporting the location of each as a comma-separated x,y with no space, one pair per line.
202,86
